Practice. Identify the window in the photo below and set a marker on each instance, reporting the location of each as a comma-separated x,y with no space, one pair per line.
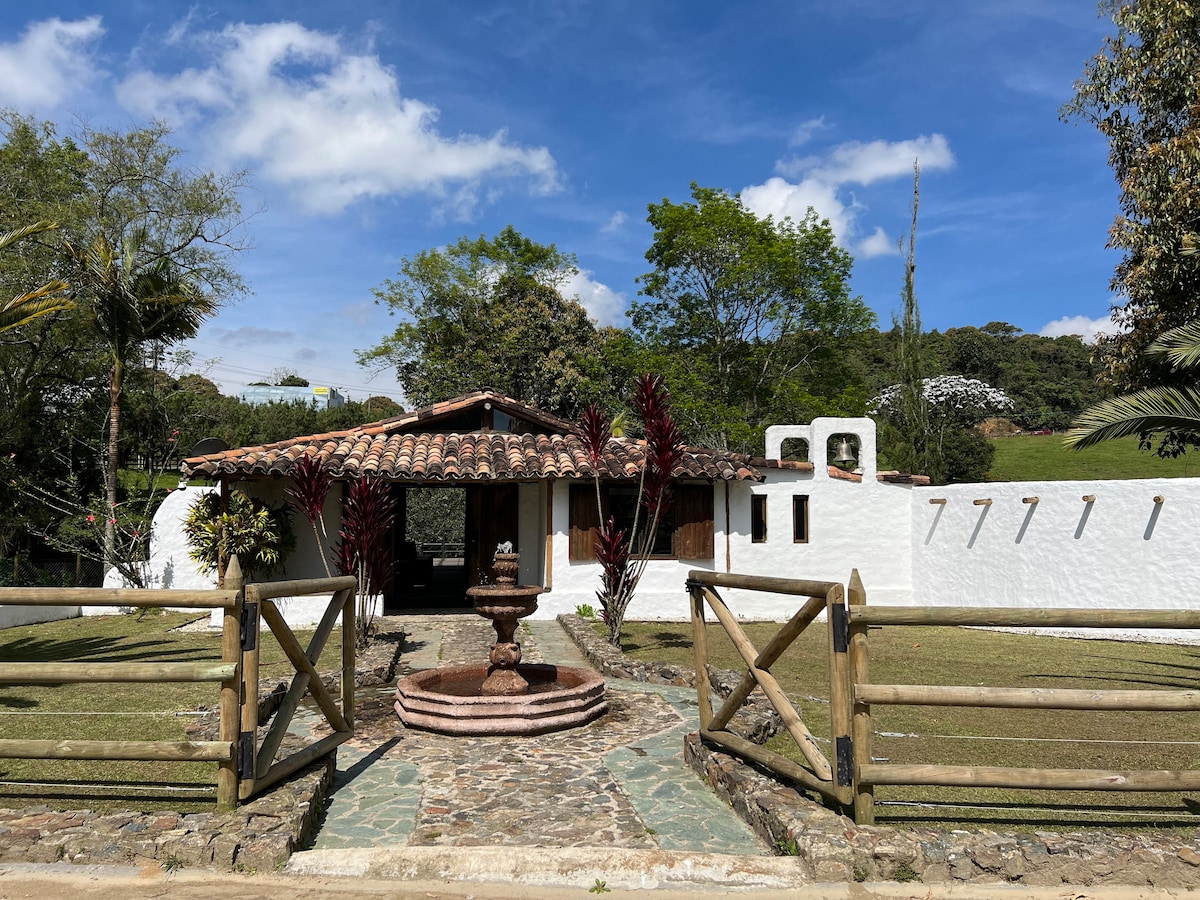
758,518
684,532
800,518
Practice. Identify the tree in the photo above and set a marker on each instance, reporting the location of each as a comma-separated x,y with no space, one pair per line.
1150,410
130,305
135,223
489,313
745,307
953,404
1142,94
910,411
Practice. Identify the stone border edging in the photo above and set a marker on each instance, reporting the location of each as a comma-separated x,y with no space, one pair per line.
832,848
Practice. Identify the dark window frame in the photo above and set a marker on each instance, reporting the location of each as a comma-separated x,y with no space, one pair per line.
692,524
758,518
800,519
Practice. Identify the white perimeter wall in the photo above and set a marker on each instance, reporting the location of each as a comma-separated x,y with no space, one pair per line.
1122,551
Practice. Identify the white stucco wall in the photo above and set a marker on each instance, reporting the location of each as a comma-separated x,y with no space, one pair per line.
1122,551
169,566
12,616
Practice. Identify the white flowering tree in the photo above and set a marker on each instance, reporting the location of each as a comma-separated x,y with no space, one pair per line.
953,404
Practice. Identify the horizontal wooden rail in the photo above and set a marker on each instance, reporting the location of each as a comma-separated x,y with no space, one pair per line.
1025,698
795,586
145,751
135,597
60,673
1060,779
1013,617
273,590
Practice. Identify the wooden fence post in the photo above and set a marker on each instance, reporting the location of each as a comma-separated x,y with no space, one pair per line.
839,695
231,720
862,730
700,650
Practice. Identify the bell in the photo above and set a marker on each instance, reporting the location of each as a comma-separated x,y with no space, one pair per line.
845,453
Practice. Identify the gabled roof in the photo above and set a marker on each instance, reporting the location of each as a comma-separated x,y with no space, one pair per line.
405,448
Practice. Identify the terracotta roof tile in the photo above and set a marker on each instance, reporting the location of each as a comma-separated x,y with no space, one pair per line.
475,456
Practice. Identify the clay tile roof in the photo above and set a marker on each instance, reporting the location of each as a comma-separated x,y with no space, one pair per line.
390,449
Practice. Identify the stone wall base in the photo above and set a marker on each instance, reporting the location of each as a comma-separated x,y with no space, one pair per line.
832,848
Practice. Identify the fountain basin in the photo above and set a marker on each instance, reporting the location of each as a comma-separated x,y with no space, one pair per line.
447,700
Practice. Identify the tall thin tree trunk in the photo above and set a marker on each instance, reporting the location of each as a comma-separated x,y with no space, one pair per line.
116,377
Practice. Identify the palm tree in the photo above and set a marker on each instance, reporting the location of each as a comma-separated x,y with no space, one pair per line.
129,306
1150,409
41,301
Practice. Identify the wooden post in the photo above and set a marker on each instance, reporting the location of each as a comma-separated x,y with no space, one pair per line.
862,731
700,652
839,695
231,651
249,718
349,655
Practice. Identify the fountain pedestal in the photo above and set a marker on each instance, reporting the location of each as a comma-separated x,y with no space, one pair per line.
505,696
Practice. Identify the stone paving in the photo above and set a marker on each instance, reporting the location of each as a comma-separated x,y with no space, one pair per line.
619,782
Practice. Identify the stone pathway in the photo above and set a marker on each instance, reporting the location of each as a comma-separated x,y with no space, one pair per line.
619,782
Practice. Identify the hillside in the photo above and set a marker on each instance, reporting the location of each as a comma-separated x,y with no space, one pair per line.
1029,457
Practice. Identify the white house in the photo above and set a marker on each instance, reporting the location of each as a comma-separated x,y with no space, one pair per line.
525,478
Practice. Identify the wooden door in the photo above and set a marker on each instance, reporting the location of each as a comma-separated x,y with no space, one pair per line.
491,520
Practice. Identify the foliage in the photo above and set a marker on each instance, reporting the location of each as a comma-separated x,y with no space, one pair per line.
260,534
435,515
310,486
585,611
623,554
910,407
133,224
39,301
363,549
742,312
1173,409
488,313
1141,93
952,404
966,456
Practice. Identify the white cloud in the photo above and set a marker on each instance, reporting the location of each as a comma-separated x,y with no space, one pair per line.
615,221
820,179
877,244
805,130
50,60
329,124
604,305
779,197
1086,328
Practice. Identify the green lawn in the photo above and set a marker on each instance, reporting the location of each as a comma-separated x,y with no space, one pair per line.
141,712
1029,457
947,735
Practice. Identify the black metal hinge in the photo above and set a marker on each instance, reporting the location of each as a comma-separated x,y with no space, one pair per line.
245,756
693,584
841,628
249,626
845,760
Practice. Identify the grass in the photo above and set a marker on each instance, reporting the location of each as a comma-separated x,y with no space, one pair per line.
140,712
947,735
1028,457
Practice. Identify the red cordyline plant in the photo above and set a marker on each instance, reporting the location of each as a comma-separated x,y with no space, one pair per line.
362,550
622,553
311,486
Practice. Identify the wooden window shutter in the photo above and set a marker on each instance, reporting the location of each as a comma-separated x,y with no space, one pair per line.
585,521
694,521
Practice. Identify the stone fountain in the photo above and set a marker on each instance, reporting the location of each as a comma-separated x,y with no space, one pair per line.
503,696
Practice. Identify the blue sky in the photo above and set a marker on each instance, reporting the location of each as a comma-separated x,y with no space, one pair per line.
373,129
